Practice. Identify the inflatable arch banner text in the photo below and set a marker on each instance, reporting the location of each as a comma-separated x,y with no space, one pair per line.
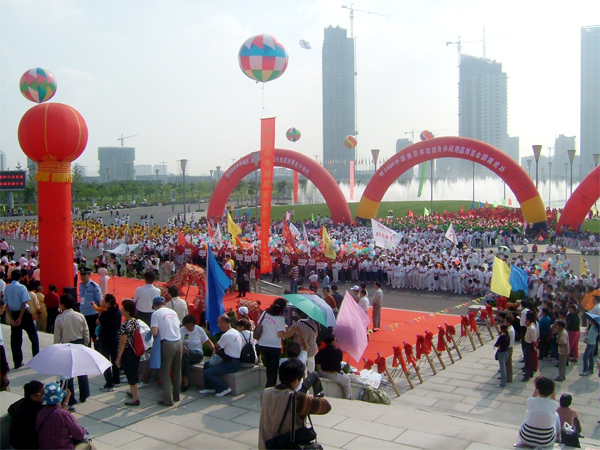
479,152
324,182
580,202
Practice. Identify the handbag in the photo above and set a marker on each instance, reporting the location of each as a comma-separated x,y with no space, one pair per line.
258,330
301,438
496,355
138,343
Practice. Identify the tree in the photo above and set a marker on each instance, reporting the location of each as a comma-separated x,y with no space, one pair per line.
281,188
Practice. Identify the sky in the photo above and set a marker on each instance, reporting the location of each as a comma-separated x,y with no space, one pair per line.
167,71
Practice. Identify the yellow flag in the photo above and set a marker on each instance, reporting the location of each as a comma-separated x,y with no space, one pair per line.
329,251
500,278
232,227
582,267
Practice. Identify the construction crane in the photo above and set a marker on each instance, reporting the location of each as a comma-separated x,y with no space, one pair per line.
412,135
352,9
123,138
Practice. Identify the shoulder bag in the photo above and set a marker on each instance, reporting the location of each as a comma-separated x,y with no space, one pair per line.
258,330
301,438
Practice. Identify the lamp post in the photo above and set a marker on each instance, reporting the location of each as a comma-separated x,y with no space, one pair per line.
183,163
571,159
566,180
474,184
596,159
550,183
157,184
375,153
537,149
431,184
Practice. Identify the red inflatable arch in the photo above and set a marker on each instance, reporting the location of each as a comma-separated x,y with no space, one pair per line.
581,201
456,147
325,183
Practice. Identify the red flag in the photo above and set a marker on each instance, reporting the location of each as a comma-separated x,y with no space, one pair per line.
410,213
211,232
296,184
181,238
287,234
267,163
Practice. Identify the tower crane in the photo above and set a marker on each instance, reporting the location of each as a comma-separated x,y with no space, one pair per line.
352,9
126,137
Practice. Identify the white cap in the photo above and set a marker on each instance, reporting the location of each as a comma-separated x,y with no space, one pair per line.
355,288
243,310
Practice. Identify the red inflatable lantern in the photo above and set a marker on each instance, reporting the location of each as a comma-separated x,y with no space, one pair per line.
53,135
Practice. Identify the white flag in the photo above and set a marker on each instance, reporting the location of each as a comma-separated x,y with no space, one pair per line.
218,238
384,236
305,235
294,230
451,235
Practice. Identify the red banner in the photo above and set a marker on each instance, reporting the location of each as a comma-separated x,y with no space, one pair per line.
267,162
296,184
351,180
287,234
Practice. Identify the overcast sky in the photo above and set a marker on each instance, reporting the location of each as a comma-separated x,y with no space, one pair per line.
167,71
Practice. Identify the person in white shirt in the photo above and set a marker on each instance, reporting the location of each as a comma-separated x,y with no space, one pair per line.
229,349
164,322
363,300
193,338
143,297
177,304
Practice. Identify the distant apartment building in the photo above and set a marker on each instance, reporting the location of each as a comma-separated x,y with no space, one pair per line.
590,98
116,163
338,101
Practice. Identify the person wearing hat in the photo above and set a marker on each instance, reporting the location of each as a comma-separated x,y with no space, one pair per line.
56,427
89,294
313,281
243,313
165,322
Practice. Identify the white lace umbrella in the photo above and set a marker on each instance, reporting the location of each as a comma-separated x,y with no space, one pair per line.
69,360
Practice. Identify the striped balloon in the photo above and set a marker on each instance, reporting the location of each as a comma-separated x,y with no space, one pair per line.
350,141
38,85
293,134
426,135
263,58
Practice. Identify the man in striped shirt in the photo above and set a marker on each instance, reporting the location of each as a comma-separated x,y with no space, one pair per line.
293,275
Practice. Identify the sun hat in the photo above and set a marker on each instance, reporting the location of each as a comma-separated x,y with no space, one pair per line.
53,394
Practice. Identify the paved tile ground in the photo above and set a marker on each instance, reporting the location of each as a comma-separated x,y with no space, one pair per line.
459,408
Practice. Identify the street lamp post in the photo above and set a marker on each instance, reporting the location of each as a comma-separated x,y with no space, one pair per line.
550,183
183,163
431,185
537,149
566,181
474,184
571,159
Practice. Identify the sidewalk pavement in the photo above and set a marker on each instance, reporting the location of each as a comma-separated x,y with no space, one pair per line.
459,408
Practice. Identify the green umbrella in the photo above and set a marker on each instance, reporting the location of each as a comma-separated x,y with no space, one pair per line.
307,307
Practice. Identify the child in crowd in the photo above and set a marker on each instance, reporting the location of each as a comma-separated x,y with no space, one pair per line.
570,416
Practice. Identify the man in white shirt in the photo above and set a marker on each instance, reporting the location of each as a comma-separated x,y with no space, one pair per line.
229,349
165,322
177,304
143,297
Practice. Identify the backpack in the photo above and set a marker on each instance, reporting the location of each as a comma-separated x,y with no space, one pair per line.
248,354
138,343
375,396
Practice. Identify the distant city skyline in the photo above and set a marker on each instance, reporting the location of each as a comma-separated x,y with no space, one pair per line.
168,73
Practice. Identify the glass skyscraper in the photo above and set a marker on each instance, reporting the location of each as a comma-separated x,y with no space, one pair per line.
590,98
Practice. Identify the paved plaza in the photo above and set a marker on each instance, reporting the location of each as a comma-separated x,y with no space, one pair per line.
459,408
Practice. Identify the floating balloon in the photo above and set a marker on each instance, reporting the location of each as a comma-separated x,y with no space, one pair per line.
38,85
426,135
293,134
263,58
350,141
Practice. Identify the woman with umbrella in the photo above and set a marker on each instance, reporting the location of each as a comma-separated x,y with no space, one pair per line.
130,361
269,342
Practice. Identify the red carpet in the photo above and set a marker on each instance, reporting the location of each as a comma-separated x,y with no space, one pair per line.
397,325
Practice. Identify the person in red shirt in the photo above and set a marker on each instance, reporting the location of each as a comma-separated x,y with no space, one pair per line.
51,299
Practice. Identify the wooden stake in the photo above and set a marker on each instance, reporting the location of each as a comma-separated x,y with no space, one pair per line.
447,348
407,375
439,357
431,364
479,337
471,339
387,372
455,346
489,328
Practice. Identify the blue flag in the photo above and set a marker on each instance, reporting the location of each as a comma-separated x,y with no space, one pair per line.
248,212
238,213
473,205
216,283
518,279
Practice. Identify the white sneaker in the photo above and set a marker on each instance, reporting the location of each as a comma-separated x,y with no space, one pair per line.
207,391
142,385
223,393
